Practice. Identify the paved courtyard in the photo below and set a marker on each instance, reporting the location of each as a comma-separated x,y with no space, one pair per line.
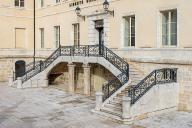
53,108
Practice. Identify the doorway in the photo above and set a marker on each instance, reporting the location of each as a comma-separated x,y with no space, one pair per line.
19,68
100,29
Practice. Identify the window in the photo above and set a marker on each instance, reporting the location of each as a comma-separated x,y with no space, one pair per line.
129,31
57,36
169,28
76,34
42,37
41,3
19,3
20,38
57,1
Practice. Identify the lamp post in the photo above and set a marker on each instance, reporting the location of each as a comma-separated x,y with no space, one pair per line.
106,8
34,35
78,12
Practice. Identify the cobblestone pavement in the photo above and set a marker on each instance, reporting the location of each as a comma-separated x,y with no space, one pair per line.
52,108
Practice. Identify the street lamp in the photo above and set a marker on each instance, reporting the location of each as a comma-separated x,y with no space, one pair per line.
78,12
106,8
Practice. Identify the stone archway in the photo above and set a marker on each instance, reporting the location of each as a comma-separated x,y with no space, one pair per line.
58,76
40,80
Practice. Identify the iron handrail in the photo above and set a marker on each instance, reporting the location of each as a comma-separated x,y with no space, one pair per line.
85,50
159,76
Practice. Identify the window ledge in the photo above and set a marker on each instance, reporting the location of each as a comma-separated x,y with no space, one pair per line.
19,8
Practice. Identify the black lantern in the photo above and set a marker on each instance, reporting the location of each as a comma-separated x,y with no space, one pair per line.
106,5
78,11
106,8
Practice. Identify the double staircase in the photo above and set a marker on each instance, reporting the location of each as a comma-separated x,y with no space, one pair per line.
129,80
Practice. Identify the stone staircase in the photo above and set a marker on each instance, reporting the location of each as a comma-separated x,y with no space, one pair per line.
113,108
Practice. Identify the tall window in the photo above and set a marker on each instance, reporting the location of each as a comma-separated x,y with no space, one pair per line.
19,3
76,34
42,37
57,36
169,28
41,3
57,1
129,31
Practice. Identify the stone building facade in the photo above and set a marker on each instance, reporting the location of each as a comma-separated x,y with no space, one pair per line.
149,35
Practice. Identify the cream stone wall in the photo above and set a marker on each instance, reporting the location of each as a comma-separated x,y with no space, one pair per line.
12,17
99,75
148,52
183,77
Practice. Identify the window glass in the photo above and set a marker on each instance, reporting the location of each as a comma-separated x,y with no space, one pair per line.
169,28
129,31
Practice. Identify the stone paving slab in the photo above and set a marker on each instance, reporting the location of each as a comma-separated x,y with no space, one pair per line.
53,108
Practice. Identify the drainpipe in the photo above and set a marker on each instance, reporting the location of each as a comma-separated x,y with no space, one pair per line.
34,35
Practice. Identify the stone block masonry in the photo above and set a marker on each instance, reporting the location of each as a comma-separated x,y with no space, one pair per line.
184,79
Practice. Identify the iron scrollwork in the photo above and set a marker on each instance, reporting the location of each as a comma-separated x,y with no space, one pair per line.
160,76
85,50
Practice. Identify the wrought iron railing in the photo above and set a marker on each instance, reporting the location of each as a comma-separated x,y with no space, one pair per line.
160,76
85,50
113,85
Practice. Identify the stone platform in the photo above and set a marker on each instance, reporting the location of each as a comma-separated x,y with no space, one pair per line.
53,108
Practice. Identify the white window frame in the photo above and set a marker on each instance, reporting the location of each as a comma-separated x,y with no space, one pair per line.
77,25
57,36
130,30
41,3
169,28
57,1
42,37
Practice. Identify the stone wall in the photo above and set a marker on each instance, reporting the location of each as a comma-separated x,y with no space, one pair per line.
184,80
159,99
99,75
7,65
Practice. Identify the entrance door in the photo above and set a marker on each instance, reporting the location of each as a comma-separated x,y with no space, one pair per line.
19,68
99,28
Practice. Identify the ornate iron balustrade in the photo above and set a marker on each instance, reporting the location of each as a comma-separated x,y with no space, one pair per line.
29,67
160,76
82,50
113,85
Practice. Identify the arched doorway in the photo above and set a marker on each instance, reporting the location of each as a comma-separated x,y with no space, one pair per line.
19,68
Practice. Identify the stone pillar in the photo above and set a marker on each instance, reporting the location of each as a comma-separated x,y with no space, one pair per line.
19,82
10,81
45,83
99,100
71,77
126,106
87,79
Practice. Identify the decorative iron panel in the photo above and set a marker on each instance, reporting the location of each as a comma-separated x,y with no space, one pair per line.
85,50
160,76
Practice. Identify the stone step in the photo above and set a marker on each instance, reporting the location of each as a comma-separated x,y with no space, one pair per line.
115,102
121,94
111,111
117,98
125,91
110,116
114,107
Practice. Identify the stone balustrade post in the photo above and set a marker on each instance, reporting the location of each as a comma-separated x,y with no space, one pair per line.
45,83
99,100
126,106
71,77
10,81
87,79
19,82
